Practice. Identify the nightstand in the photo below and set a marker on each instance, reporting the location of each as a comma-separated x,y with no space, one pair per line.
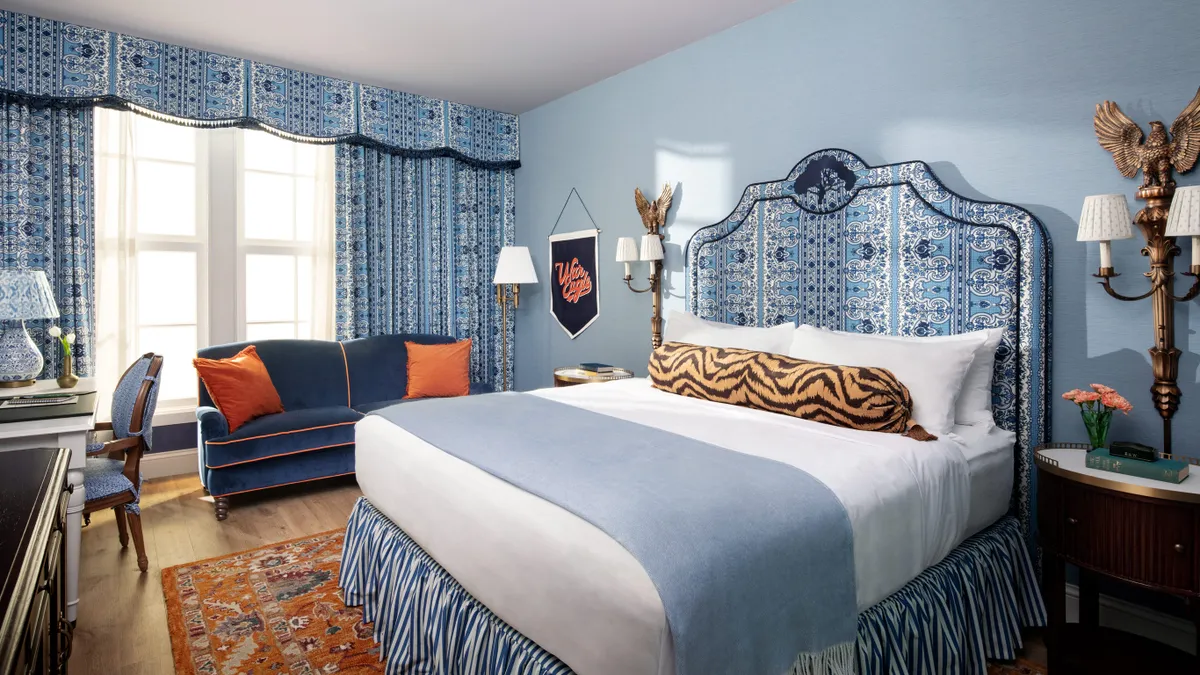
1133,530
571,375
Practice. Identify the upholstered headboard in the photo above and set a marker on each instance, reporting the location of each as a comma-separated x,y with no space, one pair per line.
888,249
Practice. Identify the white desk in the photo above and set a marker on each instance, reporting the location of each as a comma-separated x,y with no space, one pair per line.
62,432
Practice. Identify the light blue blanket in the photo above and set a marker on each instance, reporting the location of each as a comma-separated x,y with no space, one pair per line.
753,559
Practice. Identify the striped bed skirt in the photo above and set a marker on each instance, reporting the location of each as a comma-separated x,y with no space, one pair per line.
968,608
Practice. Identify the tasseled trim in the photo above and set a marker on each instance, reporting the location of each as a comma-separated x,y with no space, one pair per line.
957,614
917,432
948,621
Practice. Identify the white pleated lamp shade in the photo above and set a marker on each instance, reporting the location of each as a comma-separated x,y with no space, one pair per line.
515,266
627,250
1105,218
1183,218
652,248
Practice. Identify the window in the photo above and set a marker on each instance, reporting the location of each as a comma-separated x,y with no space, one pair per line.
151,249
280,241
205,237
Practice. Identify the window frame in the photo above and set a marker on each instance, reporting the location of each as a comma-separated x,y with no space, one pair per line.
247,246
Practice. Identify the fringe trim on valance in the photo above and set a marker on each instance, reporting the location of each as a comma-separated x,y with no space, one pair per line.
968,608
249,123
949,620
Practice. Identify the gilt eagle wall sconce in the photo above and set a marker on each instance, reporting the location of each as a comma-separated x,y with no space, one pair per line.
1168,213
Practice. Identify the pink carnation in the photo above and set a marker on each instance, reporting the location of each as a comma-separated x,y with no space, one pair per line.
1117,402
1070,395
1103,389
1087,397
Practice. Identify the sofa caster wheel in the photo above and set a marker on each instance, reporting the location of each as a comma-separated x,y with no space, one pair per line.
221,506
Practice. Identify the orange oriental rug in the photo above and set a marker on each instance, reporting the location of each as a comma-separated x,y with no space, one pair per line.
273,610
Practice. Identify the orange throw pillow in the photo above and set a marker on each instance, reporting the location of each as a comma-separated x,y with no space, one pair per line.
240,386
439,370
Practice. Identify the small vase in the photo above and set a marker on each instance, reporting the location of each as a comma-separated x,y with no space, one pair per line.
1097,422
68,378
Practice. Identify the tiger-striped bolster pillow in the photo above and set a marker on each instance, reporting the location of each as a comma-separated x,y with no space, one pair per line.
870,399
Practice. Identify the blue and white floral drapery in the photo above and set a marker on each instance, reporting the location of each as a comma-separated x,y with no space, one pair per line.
417,242
46,216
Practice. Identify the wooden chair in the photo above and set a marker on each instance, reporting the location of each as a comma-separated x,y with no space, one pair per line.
115,480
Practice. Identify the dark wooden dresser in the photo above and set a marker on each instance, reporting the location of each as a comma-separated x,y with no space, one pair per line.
1136,531
35,638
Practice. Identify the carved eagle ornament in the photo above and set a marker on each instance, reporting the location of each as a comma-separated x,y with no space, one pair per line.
1159,153
654,213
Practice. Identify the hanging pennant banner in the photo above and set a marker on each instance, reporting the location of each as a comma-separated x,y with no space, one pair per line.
574,286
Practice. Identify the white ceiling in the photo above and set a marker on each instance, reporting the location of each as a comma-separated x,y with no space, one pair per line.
510,55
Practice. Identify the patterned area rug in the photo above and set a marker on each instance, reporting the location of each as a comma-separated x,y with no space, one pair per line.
274,610
277,610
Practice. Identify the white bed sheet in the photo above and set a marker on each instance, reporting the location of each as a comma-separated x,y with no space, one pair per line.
580,595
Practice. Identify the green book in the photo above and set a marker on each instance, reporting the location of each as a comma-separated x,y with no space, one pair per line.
1169,470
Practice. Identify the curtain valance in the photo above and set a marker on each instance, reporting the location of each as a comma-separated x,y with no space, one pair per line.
47,59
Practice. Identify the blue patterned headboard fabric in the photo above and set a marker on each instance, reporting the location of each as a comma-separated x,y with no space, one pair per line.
889,250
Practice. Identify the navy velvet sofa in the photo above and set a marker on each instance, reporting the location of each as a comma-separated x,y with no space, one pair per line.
325,388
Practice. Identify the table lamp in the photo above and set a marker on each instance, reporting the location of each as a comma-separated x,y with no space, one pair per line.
24,294
513,268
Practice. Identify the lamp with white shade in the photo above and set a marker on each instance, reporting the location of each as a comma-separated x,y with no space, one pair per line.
652,248
513,268
1105,218
627,252
24,294
1183,220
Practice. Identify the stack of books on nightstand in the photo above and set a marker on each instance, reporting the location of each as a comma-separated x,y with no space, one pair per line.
597,368
1132,460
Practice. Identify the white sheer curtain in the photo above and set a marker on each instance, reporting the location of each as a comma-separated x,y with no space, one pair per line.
205,237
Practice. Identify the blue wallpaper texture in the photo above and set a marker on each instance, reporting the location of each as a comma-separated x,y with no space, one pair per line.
997,97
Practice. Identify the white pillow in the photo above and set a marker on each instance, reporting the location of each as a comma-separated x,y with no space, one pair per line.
933,371
975,400
684,327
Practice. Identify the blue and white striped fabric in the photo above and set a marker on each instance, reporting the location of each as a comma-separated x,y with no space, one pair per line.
424,620
969,607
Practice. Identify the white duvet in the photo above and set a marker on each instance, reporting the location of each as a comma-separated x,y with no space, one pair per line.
576,592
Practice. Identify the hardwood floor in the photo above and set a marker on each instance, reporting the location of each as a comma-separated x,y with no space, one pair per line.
122,622
122,625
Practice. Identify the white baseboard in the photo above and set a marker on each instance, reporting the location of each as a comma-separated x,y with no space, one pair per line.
171,463
1132,618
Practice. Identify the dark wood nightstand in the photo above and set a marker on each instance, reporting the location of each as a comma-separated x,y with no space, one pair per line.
1137,531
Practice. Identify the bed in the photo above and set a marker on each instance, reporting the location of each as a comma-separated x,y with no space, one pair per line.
464,572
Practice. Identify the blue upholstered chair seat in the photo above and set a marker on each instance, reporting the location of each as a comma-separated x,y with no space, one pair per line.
284,433
102,478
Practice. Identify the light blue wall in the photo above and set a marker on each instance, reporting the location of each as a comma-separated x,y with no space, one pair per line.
997,96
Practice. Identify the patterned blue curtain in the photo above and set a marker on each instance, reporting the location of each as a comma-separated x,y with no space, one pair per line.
417,241
46,217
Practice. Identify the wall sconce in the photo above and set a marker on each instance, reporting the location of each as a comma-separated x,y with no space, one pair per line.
513,268
654,216
1169,212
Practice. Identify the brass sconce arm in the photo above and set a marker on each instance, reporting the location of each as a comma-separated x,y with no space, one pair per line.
629,283
1193,291
1104,281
